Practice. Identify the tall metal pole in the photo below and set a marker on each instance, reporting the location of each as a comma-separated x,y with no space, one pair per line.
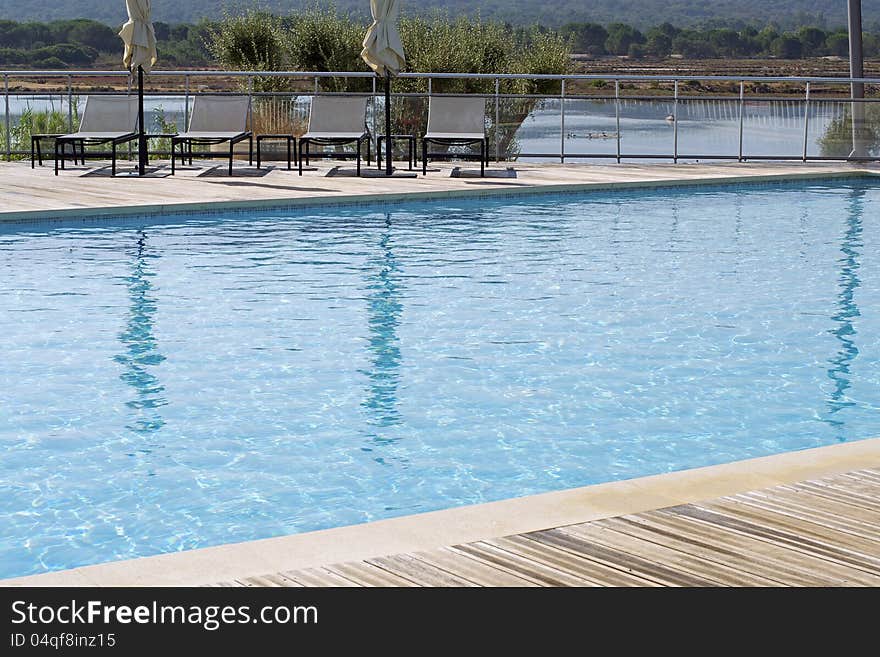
142,131
742,102
857,70
806,122
675,126
617,115
70,103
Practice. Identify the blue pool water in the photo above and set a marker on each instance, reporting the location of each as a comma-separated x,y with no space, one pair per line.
193,381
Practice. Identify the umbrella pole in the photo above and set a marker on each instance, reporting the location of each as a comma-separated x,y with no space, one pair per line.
389,143
142,134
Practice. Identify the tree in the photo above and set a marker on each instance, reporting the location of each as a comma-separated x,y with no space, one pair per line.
813,41
837,44
68,53
324,40
93,34
766,37
659,40
658,44
636,51
586,38
726,42
871,45
665,28
692,46
253,42
13,57
787,46
621,37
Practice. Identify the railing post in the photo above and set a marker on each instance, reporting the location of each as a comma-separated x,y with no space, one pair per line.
675,126
617,114
497,120
430,91
250,83
316,85
562,122
806,120
130,151
186,103
8,134
70,103
742,104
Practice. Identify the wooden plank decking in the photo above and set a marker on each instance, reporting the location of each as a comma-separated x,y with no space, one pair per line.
33,194
824,532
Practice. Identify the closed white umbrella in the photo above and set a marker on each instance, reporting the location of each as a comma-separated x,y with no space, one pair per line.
140,55
383,52
139,37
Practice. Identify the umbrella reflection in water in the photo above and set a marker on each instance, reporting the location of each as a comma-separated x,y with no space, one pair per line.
385,308
141,354
845,316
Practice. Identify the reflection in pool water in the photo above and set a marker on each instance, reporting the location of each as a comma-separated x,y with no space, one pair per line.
196,380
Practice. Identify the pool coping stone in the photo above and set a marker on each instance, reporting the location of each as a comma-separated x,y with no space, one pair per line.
384,198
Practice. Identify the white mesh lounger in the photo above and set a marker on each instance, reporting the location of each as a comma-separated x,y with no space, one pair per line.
456,121
215,120
105,120
333,121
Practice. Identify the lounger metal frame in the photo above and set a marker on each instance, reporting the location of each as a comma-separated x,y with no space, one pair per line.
484,151
115,142
186,148
305,142
102,123
336,121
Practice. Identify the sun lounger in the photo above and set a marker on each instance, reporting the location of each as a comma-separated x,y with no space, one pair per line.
215,120
105,120
456,121
336,121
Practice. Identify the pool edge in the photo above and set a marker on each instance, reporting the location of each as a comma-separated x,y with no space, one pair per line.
466,524
385,198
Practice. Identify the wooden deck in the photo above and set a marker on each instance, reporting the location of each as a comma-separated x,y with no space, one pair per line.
35,194
823,532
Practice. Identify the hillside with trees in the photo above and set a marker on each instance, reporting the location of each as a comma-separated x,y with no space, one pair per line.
666,39
89,44
642,14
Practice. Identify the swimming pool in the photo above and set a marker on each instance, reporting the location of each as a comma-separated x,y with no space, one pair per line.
190,381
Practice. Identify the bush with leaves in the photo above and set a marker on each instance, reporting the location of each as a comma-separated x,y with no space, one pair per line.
37,122
321,39
253,41
838,138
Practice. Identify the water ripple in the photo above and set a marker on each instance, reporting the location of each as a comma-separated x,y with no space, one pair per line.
186,382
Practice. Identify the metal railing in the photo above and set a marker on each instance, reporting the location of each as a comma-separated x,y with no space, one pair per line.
623,102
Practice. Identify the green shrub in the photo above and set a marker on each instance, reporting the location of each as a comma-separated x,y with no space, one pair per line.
837,140
787,46
33,123
162,125
321,39
253,41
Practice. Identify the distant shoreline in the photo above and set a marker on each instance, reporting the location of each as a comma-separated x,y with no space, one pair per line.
610,66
